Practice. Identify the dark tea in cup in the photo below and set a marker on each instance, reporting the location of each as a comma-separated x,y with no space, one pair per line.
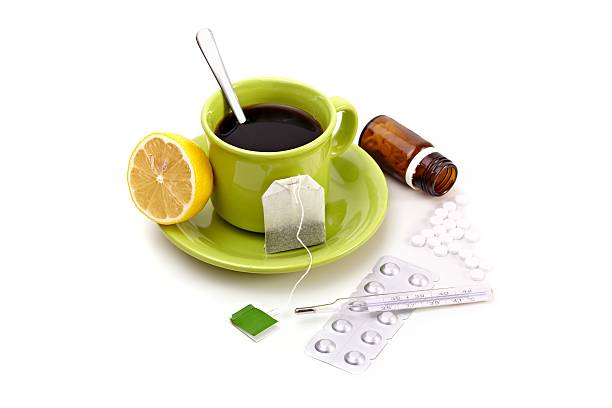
269,128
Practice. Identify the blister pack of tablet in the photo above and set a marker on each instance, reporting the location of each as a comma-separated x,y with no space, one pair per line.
351,340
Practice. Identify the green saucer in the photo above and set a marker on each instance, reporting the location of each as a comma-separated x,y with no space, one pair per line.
356,206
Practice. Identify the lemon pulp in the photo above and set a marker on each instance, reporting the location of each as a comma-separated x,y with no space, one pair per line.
169,177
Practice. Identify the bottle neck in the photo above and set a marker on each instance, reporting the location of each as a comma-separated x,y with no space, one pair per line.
434,174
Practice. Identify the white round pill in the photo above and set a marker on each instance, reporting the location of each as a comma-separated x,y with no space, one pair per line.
472,236
456,233
433,242
440,250
472,262
439,230
374,287
354,358
387,318
461,199
427,233
436,220
441,212
371,337
418,240
446,239
449,206
342,326
464,223
465,253
325,346
477,274
390,268
486,265
449,224
455,215
454,247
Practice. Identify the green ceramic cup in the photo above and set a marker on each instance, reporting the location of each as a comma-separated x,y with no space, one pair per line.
242,176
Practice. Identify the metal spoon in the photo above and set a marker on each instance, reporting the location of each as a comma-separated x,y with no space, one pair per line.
208,46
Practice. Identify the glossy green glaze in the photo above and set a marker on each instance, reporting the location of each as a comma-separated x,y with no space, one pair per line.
356,206
242,176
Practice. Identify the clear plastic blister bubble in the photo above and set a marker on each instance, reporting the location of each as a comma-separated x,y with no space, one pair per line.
290,205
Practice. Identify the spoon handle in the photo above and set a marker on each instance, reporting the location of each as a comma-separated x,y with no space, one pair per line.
208,46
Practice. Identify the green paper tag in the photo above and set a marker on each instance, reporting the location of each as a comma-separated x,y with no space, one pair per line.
252,320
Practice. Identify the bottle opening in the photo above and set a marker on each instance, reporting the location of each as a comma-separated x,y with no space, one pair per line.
435,175
445,180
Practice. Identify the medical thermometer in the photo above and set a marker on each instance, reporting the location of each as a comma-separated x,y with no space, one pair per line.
415,299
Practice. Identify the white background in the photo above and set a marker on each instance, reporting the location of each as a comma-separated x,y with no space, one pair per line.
97,309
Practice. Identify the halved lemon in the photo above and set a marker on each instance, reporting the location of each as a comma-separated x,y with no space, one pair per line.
169,177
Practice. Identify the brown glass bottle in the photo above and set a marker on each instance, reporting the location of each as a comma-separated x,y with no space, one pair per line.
407,156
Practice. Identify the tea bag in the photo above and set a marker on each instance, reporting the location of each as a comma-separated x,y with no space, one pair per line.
290,205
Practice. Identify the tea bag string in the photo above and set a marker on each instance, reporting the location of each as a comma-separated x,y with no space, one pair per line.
297,196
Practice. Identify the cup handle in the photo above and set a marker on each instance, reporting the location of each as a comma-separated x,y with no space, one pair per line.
347,130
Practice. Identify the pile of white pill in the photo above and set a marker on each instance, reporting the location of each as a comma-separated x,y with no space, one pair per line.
451,232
